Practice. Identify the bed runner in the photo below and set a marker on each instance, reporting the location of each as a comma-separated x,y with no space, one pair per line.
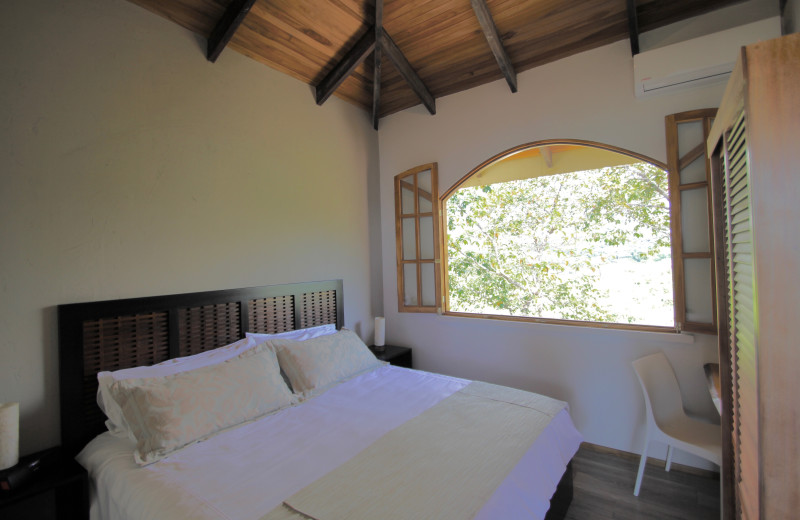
445,463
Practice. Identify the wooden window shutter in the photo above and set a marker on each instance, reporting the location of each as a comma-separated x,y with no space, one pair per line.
692,220
417,235
738,241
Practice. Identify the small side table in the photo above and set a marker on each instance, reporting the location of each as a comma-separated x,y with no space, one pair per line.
59,489
398,356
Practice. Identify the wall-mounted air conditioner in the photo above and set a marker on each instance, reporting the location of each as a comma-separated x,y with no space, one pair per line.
698,61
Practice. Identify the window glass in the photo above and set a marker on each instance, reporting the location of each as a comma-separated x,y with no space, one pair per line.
562,232
694,221
409,239
695,171
428,284
699,306
426,238
407,197
410,285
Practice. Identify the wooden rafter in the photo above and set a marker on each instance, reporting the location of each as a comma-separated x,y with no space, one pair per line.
375,40
344,68
633,27
495,43
404,67
377,55
226,27
448,51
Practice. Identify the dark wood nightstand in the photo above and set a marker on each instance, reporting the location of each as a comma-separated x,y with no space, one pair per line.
398,356
59,489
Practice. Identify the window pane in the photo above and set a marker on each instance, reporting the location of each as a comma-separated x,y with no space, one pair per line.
410,283
407,195
424,191
697,272
426,238
694,221
690,134
428,284
409,239
695,171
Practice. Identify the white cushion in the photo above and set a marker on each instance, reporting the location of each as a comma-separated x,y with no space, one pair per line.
316,364
169,412
116,422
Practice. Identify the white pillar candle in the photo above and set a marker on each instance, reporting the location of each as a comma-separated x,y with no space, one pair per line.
380,331
9,435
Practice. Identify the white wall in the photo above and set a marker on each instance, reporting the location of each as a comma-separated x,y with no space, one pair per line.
588,96
131,167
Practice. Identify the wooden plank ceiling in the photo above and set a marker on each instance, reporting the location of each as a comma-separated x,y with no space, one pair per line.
446,43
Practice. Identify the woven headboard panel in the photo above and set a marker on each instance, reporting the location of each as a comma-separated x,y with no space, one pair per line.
207,327
115,334
271,315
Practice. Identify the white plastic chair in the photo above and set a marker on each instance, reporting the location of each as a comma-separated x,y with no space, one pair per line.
666,420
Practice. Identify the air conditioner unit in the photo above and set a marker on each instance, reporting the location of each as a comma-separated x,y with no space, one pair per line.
698,61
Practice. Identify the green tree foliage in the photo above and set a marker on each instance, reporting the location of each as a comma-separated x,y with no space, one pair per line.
538,246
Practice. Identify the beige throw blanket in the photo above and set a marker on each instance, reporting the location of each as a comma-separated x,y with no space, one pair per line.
444,464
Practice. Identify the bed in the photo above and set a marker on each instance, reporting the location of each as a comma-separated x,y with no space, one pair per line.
376,441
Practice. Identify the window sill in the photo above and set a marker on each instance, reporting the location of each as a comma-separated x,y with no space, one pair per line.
652,331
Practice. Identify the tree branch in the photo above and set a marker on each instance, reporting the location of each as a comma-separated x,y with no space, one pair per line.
651,182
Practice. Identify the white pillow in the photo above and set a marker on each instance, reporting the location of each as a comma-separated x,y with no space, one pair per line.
116,421
167,413
297,335
316,364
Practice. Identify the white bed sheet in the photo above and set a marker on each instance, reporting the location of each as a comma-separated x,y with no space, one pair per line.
245,472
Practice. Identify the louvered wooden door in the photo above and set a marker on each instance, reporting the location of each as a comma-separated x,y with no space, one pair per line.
755,158
738,239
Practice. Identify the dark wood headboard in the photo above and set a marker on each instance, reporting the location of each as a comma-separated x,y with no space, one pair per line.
115,334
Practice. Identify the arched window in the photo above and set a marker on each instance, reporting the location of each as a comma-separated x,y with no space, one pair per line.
561,231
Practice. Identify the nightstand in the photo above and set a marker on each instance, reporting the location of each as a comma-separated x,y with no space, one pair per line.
59,489
398,356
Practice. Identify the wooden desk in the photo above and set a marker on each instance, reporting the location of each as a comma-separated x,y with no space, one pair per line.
712,378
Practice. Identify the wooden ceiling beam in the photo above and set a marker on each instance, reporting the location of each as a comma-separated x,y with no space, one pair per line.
344,68
404,67
376,74
376,87
495,43
226,27
633,27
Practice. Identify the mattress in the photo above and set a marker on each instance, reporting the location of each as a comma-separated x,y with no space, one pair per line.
247,471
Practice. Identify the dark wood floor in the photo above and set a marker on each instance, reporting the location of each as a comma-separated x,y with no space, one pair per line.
603,489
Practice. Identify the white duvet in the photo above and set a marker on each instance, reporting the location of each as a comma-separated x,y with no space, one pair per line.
247,471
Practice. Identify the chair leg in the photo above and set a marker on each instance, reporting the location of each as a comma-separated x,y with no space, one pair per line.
669,456
642,463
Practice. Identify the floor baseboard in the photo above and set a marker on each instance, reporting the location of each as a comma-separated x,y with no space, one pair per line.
653,462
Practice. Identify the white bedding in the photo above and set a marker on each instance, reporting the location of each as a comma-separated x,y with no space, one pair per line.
247,471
